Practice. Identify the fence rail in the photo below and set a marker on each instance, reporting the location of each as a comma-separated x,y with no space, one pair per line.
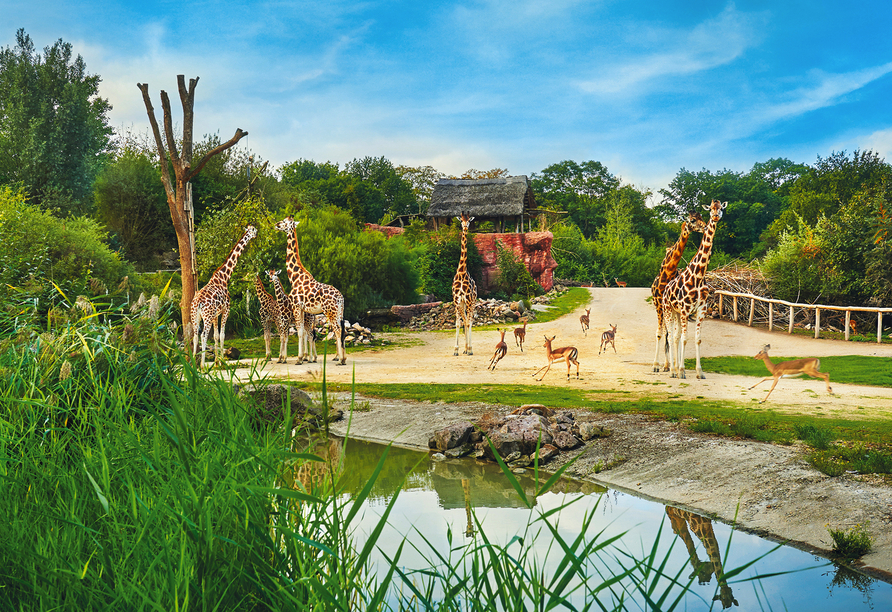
791,311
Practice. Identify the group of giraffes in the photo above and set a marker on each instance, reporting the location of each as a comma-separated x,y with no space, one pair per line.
297,308
677,296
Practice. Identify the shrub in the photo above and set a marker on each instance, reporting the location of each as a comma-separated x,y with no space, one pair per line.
850,544
40,250
514,278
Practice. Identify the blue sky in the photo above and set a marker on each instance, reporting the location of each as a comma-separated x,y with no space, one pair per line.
644,87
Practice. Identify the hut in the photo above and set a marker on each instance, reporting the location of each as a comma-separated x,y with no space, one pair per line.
507,202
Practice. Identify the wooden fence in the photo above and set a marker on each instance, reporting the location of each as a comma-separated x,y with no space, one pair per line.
791,309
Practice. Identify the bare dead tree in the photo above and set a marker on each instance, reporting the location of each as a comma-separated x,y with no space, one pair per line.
183,173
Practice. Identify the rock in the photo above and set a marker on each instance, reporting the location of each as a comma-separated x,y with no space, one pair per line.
459,451
232,353
271,400
529,430
438,457
512,457
586,431
505,443
547,452
452,436
564,440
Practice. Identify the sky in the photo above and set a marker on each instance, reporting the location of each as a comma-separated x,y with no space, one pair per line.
645,87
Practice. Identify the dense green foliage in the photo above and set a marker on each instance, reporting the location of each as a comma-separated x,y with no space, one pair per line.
48,258
53,125
514,278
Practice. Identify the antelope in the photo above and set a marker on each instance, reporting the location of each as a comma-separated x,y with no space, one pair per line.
608,337
619,283
795,367
584,320
501,351
520,334
565,353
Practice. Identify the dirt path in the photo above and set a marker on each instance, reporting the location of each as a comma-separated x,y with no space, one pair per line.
770,489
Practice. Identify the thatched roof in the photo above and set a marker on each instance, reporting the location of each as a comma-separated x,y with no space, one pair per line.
482,198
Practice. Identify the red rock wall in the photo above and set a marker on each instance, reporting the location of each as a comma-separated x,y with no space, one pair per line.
533,248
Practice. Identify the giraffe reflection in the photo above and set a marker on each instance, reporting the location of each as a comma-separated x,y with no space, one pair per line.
681,520
310,475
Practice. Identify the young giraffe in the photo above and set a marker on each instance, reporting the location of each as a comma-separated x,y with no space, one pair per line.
464,290
287,310
310,296
686,294
212,301
271,314
668,271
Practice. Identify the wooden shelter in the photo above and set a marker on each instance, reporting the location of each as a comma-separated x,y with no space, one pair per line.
506,202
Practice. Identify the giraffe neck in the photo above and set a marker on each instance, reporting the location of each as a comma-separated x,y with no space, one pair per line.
224,272
701,259
463,260
280,291
293,266
258,284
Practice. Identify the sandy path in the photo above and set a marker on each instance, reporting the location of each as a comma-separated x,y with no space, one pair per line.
629,369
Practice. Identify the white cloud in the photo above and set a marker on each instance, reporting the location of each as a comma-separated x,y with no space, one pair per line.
712,43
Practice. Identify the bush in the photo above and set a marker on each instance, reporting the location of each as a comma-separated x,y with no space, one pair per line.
514,278
40,250
850,544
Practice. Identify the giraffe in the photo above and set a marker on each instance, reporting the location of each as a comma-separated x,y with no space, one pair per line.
703,570
287,310
212,301
310,296
686,294
464,290
668,271
270,315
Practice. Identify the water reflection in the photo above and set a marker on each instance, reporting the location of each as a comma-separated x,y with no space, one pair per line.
682,521
439,496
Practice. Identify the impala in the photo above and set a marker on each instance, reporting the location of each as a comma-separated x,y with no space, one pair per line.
565,353
795,367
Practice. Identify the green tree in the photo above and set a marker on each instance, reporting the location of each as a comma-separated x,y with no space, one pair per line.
131,202
396,194
439,262
54,129
423,179
580,189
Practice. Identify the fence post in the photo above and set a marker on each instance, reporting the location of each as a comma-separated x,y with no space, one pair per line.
735,309
721,304
817,322
879,327
790,331
752,311
770,315
848,320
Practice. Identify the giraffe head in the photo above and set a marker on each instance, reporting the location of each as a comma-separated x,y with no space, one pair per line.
272,274
465,221
250,232
696,222
716,210
286,225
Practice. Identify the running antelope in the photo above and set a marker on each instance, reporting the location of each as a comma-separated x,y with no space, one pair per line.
790,368
608,337
565,353
501,351
520,334
584,320
619,282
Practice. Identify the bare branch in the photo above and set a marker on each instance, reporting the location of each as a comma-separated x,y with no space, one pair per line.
187,97
168,133
239,134
162,158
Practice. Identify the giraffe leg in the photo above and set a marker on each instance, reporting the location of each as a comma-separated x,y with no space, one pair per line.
268,340
669,320
682,343
470,327
221,340
700,314
458,327
301,334
204,341
196,322
341,356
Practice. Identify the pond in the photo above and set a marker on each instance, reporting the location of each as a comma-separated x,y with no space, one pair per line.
444,505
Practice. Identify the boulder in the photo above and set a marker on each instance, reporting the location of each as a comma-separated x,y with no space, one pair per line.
451,436
564,440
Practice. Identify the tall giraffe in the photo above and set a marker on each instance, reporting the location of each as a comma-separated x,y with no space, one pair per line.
668,271
464,290
212,301
686,294
310,296
287,310
271,315
703,570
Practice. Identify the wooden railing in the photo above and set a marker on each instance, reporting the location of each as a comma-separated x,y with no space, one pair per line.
791,311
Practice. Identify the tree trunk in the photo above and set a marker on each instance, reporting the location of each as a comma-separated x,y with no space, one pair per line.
183,173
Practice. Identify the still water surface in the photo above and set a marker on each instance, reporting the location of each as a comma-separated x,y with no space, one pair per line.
439,497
